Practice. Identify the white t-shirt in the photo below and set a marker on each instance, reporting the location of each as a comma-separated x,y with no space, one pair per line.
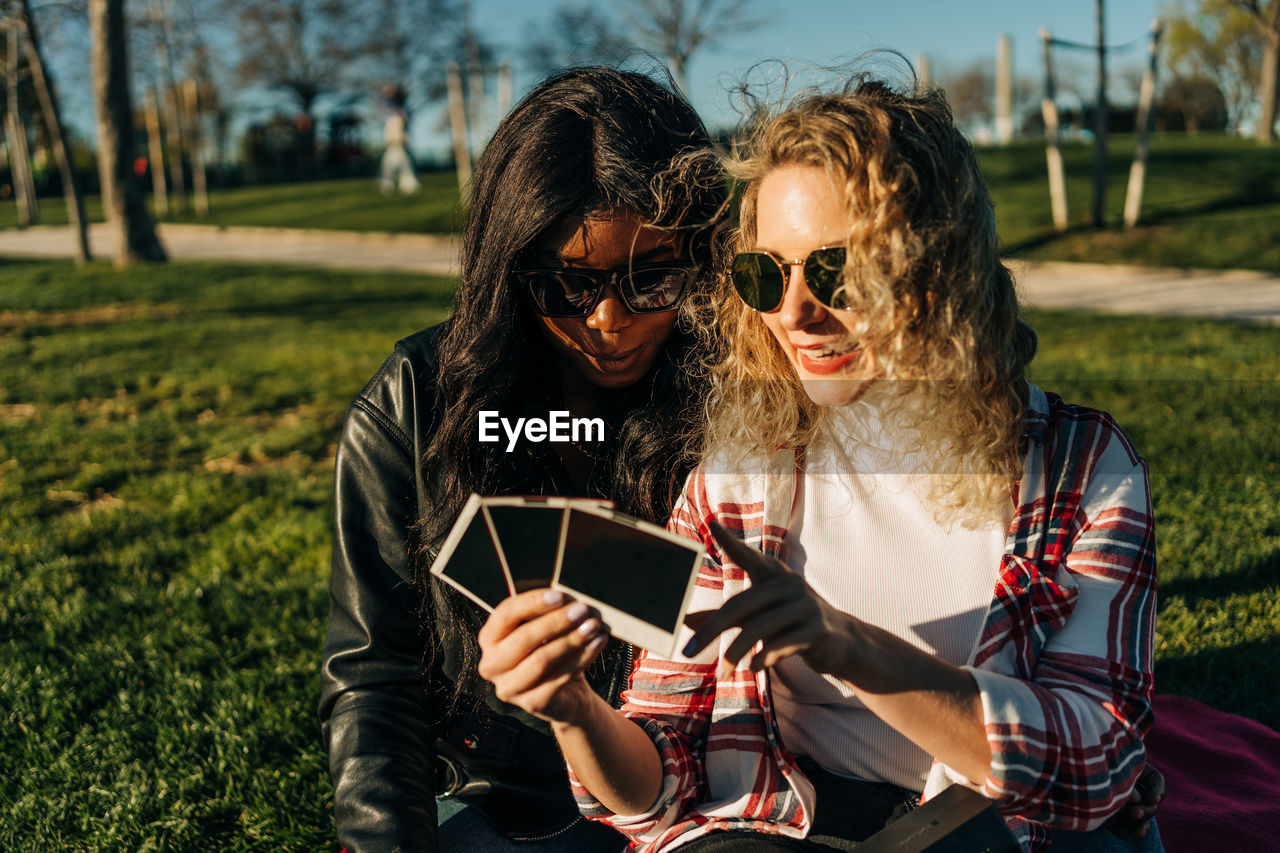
394,130
866,541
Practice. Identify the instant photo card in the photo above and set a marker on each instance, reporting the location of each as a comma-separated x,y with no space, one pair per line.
528,535
639,576
526,530
469,559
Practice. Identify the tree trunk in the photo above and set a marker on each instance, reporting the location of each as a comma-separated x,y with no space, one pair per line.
15,134
170,108
57,133
122,195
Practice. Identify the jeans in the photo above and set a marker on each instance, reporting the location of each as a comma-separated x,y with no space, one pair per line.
467,831
1102,841
838,830
1098,841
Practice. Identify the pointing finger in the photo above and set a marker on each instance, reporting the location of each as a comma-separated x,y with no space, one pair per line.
733,613
758,566
697,618
766,626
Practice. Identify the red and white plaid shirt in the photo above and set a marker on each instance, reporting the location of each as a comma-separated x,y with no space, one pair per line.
1064,662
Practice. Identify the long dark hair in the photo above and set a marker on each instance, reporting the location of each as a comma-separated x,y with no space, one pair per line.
586,140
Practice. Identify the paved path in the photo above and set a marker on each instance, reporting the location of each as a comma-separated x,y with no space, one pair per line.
424,253
1235,294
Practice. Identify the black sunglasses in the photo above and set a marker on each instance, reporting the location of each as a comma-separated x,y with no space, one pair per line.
761,277
574,291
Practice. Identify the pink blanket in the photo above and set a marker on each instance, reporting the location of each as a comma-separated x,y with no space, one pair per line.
1222,774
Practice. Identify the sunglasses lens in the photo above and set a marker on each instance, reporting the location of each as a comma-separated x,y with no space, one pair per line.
824,273
560,294
655,288
758,280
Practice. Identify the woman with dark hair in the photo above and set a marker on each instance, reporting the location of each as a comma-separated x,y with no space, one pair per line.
581,258
922,570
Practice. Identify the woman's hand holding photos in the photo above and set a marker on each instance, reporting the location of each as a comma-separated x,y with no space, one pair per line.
534,648
780,611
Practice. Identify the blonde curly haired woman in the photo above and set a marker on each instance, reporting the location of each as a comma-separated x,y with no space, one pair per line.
922,570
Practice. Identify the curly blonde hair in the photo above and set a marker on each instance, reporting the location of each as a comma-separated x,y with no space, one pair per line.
934,303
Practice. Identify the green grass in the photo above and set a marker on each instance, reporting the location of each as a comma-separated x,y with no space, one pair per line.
348,204
166,440
1210,201
1198,398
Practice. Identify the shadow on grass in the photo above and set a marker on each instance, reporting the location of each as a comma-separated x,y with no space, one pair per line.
1228,679
1227,159
310,305
1252,197
1258,193
1044,238
1262,575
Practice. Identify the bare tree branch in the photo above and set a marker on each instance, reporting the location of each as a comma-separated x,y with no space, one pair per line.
1210,38
677,29
305,48
577,35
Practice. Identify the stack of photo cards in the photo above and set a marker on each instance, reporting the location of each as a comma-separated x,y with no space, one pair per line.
639,576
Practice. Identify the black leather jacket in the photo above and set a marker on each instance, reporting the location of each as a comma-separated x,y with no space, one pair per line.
393,736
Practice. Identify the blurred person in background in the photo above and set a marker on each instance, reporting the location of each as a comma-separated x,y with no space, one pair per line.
395,171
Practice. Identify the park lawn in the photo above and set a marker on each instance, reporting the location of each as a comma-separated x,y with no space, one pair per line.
346,204
1211,201
349,204
166,444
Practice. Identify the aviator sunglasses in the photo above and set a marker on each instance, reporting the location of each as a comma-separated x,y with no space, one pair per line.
761,277
575,291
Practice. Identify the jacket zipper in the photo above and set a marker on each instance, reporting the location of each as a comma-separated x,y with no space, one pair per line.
626,676
617,703
577,820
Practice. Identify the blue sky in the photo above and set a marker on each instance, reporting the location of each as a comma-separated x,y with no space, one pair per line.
802,33
805,33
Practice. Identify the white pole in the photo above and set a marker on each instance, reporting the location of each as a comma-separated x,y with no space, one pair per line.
1049,108
504,88
195,140
155,146
458,122
1004,90
1146,115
